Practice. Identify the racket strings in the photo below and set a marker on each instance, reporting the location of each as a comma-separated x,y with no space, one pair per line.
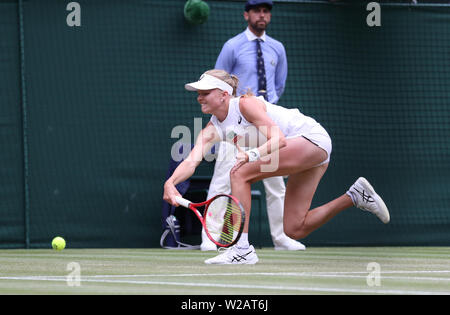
230,229
224,220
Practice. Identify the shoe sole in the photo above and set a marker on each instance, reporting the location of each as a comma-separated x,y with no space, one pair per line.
232,263
383,214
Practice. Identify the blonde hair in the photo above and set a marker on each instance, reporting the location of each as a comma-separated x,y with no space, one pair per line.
230,79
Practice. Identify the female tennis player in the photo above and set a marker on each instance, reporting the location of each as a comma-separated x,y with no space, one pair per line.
296,145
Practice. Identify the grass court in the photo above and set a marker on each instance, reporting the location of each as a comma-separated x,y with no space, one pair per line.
320,270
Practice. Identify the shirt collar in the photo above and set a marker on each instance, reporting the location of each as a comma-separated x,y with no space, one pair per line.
251,36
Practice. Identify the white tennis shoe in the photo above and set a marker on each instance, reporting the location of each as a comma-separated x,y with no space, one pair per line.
235,256
364,197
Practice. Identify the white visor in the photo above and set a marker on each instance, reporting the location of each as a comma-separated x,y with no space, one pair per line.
209,82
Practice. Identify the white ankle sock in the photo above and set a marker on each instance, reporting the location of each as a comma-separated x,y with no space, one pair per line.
243,241
349,193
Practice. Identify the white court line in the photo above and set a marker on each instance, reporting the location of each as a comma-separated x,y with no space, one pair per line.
337,274
332,274
341,274
277,273
240,286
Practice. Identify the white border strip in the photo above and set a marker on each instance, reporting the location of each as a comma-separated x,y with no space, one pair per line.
239,286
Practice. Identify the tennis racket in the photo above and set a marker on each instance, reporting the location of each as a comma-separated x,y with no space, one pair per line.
223,218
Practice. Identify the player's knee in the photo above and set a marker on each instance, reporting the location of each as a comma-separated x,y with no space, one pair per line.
237,176
296,229
296,234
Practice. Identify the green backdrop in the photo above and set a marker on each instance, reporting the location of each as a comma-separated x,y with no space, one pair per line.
86,114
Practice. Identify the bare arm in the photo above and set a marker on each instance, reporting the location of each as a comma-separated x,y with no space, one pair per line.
205,140
254,112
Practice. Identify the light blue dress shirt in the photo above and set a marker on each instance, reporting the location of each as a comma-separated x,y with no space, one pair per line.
238,57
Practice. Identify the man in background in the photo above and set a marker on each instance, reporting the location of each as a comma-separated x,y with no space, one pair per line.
260,63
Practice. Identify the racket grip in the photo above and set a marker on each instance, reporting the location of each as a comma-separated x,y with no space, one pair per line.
183,202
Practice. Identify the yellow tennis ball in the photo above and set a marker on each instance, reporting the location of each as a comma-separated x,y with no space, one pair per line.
58,243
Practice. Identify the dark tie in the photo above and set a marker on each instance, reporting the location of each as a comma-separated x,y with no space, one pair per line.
262,84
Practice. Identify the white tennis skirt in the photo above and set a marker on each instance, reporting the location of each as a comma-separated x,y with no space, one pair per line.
320,137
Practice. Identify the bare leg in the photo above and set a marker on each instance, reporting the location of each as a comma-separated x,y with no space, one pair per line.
298,155
298,159
299,221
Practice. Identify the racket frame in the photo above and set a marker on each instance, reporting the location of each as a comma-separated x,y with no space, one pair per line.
194,207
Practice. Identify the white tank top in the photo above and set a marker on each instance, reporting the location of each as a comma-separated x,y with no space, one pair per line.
290,121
